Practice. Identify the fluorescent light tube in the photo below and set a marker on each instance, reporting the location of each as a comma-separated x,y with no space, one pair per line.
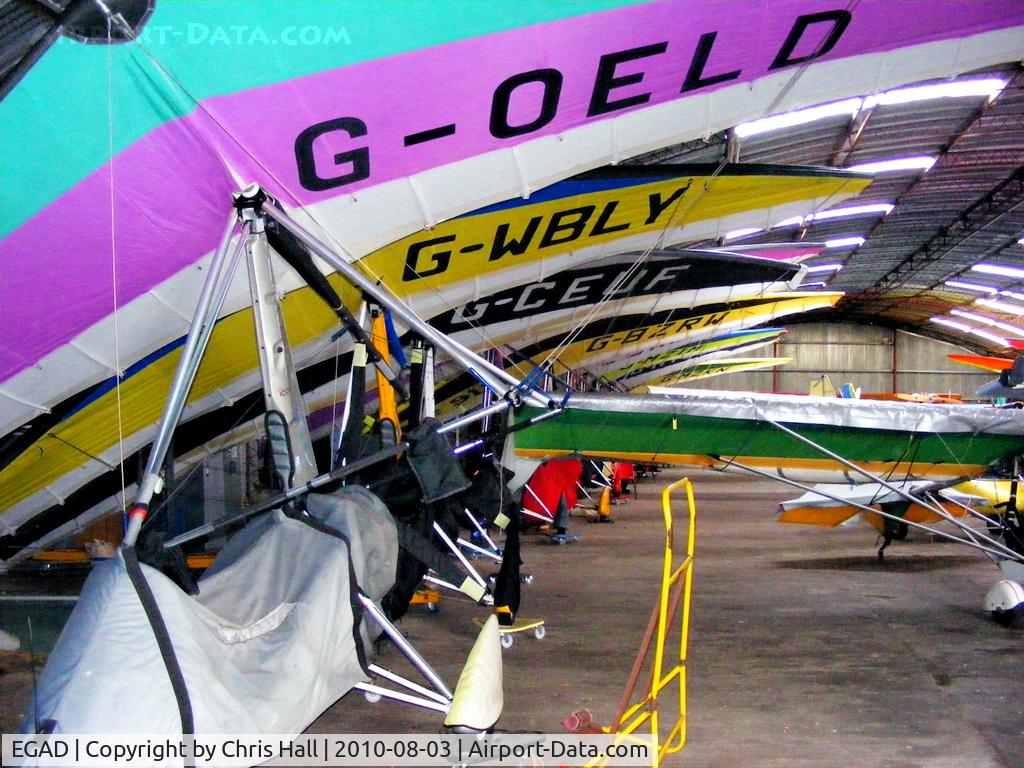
916,163
844,242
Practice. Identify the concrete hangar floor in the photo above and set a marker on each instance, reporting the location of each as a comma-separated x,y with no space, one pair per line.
804,650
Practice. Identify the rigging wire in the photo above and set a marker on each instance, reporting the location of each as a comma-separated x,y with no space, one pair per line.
181,483
645,255
334,398
551,357
325,230
488,340
118,372
959,460
92,456
574,332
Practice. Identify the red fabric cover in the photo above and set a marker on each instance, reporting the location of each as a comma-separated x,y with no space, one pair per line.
621,470
549,482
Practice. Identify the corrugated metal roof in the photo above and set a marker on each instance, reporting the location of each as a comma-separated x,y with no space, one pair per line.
968,208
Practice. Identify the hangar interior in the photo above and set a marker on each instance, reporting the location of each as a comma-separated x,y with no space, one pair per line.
349,448
875,358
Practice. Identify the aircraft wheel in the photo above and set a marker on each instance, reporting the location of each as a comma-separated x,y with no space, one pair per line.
507,640
1005,601
371,697
539,632
433,607
1011,618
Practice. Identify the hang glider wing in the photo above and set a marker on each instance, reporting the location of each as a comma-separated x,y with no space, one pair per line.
735,430
684,356
713,368
603,343
116,185
603,213
686,278
984,362
838,505
794,252
57,458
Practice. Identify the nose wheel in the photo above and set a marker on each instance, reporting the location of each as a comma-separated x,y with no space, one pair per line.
507,634
1014,618
1005,601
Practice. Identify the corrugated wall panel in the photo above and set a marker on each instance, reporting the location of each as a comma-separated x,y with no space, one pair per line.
964,384
917,353
923,365
799,381
826,358
860,355
836,333
744,381
832,347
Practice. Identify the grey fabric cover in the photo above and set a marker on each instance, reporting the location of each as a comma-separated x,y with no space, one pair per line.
803,409
266,646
